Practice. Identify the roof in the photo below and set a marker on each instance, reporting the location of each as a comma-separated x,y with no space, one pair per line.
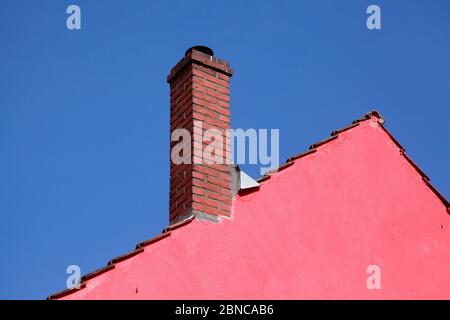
290,161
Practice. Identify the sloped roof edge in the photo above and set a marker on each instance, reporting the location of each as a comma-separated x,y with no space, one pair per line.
335,134
290,161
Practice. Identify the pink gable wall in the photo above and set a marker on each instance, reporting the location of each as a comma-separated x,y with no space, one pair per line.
309,232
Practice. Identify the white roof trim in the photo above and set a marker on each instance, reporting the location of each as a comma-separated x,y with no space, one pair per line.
246,181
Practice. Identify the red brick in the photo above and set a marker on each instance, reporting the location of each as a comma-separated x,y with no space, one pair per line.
199,91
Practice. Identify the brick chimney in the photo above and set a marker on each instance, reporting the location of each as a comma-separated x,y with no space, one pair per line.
200,100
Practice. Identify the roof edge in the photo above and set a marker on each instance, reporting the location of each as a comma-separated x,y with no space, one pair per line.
290,161
335,134
140,247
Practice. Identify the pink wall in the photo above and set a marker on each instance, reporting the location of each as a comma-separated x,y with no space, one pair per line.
309,232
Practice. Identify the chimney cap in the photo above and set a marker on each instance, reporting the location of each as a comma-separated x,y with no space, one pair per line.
202,49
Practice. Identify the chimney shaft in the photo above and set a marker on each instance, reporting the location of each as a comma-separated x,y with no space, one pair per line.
200,97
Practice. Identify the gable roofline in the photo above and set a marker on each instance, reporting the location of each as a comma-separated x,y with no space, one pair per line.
335,134
140,247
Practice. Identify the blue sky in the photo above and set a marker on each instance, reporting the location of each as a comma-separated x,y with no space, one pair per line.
84,114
